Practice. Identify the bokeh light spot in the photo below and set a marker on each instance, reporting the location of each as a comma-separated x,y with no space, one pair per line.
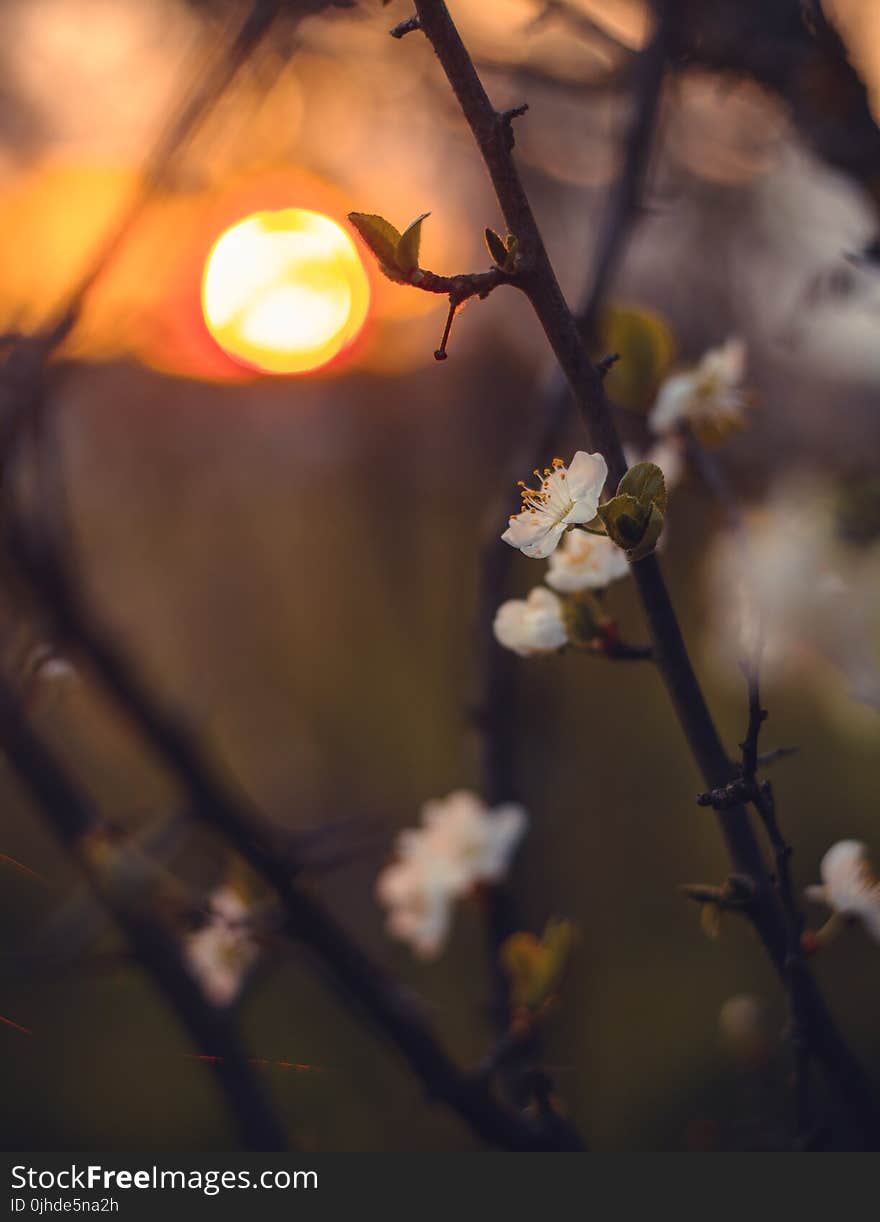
284,292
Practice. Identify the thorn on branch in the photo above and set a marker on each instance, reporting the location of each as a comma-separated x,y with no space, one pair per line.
406,27
778,753
736,895
725,797
440,353
505,120
459,289
607,363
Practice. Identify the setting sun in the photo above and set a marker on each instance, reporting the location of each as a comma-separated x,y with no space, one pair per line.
284,292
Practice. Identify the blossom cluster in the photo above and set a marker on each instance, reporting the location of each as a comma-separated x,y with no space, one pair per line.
556,523
460,843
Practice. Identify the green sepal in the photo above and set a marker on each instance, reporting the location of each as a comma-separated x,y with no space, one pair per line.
645,482
650,535
496,247
407,254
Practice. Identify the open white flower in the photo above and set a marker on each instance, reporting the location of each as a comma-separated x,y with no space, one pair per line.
531,625
585,562
460,843
221,952
849,884
710,394
565,496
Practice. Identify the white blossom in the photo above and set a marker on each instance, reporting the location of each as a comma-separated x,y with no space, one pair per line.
849,885
709,394
565,496
220,953
531,625
585,562
459,844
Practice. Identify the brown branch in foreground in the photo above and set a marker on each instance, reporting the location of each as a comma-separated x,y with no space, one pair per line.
362,983
538,281
212,1030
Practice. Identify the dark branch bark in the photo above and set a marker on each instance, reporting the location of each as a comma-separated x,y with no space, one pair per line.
538,281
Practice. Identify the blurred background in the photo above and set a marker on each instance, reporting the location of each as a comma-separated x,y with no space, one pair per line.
295,556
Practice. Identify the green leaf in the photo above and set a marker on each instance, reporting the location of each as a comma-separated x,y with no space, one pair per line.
625,519
496,246
647,348
632,525
407,258
650,535
536,967
380,235
645,482
594,527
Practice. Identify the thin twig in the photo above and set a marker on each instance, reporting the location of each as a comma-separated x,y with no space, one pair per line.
763,800
361,982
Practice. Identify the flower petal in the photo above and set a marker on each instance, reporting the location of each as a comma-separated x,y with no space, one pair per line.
673,402
586,478
535,534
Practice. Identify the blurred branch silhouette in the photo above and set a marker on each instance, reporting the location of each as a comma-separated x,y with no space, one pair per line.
69,813
361,982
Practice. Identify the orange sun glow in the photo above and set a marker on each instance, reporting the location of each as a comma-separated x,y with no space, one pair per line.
284,292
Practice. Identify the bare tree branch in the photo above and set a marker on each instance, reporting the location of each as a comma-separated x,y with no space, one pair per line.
360,982
538,281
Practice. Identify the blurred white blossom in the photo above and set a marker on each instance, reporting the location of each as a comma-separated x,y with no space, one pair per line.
786,578
667,453
585,562
221,952
531,625
849,885
565,496
707,396
460,843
